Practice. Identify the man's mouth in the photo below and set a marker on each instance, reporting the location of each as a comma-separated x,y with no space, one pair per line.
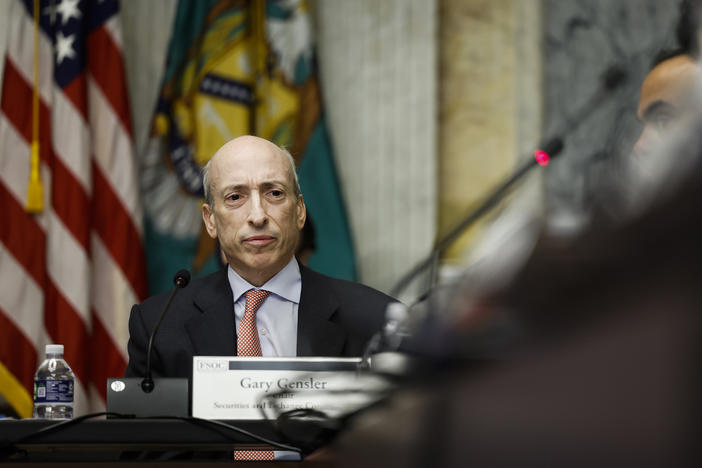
259,240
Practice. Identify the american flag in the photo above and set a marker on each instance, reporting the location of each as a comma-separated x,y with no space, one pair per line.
69,274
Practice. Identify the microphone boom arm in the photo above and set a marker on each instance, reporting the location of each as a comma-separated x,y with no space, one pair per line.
181,280
553,147
612,78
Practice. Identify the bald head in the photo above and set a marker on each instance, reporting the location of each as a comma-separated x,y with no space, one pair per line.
247,143
669,93
672,81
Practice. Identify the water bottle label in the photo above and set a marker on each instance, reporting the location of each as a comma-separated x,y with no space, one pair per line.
53,391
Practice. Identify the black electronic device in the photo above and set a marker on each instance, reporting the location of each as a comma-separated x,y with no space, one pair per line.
170,397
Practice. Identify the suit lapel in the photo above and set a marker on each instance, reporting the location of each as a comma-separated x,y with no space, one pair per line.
212,331
317,335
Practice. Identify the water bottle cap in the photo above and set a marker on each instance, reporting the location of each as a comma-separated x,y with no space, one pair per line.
54,349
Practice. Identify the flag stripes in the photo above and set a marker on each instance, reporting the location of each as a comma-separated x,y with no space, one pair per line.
105,62
64,325
22,366
24,238
103,359
118,234
18,296
77,267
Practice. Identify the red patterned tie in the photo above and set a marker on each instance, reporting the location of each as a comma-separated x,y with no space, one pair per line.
248,344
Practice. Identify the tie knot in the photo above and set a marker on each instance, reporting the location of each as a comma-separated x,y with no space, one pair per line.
254,298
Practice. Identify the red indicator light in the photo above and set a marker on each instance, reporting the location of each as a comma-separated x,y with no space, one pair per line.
541,157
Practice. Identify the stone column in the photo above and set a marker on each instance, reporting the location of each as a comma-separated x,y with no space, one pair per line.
490,103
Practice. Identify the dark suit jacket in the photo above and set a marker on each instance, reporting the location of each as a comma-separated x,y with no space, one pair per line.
335,318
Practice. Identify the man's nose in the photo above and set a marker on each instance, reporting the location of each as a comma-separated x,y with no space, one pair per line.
257,213
645,142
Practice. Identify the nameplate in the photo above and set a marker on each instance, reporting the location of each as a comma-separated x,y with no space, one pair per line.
247,388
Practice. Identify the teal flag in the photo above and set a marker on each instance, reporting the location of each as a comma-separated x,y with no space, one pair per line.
236,68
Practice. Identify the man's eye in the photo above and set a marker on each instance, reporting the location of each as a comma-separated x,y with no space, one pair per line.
234,197
662,121
276,193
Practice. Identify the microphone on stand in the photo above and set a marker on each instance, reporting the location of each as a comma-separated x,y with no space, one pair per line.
612,78
542,157
397,314
148,397
181,280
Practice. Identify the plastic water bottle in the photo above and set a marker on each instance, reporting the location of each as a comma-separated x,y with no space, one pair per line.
53,386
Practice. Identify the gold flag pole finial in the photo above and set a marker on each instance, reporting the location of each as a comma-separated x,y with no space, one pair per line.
35,189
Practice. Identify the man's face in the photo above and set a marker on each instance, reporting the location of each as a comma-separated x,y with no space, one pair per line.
256,215
668,94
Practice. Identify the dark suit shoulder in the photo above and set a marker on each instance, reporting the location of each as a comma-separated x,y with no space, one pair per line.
337,317
197,288
206,298
344,289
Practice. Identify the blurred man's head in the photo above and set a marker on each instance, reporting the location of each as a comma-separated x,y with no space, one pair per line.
668,95
253,206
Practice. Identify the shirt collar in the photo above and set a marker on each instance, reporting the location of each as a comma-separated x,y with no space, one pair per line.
287,283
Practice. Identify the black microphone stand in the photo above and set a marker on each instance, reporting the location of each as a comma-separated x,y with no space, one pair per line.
166,396
181,280
552,148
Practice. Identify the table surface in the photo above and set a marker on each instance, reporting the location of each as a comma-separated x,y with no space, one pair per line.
38,439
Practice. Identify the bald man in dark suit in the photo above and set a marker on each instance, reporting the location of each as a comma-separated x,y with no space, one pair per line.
255,210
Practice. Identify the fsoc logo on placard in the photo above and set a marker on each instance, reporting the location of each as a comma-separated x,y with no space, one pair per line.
221,365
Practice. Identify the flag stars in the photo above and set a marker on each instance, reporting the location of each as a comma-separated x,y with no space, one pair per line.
68,9
50,10
64,47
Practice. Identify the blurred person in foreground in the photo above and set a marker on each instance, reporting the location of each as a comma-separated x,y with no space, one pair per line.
256,211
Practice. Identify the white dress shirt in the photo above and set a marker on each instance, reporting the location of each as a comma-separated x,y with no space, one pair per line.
276,318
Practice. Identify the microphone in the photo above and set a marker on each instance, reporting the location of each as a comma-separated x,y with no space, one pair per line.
389,338
551,149
143,397
612,78
181,280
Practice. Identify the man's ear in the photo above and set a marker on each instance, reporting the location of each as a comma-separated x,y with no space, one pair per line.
301,212
208,219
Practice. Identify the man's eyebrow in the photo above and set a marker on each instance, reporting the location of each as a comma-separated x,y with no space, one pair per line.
264,185
234,187
655,107
273,183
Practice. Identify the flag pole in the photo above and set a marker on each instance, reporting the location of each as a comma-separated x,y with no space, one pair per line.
35,189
